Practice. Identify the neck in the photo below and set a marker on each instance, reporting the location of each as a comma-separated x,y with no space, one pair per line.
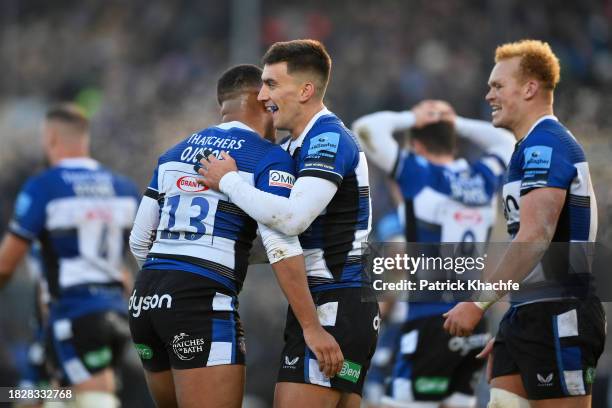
439,159
56,157
529,119
256,125
308,111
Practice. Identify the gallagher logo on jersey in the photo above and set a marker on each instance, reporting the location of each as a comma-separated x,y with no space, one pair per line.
190,185
281,179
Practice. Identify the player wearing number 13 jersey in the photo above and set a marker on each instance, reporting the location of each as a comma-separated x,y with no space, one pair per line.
184,309
80,212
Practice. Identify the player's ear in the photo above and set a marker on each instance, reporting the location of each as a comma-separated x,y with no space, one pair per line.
531,88
307,91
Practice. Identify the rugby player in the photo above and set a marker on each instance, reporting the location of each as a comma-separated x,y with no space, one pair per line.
80,213
548,343
329,207
446,199
184,308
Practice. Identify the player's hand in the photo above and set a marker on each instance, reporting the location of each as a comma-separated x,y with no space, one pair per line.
462,319
425,113
487,353
214,169
327,350
446,111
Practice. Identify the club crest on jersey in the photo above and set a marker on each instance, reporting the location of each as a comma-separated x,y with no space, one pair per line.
190,184
281,179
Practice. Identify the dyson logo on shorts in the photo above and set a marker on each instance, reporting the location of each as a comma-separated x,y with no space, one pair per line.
138,303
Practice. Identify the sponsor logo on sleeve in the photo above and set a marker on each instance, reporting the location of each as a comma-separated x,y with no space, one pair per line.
537,157
22,205
279,178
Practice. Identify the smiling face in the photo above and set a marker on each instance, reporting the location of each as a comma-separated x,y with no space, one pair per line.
506,93
281,93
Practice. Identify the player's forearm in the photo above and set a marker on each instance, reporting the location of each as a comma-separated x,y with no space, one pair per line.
375,133
493,140
290,216
291,276
146,221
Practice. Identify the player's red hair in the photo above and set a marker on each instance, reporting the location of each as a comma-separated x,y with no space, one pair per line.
537,60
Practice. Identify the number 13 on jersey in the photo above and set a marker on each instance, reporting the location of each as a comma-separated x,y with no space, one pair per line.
185,217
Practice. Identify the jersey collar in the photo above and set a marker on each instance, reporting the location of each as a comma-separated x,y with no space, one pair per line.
291,145
79,162
542,119
234,124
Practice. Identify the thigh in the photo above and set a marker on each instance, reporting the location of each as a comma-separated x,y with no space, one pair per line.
189,321
210,387
354,325
556,346
87,346
296,395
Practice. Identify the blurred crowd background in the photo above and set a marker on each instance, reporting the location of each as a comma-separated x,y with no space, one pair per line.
146,72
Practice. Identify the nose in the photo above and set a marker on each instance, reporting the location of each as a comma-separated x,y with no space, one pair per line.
489,96
263,94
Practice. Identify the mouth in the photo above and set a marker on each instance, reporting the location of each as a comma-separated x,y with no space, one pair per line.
272,108
495,109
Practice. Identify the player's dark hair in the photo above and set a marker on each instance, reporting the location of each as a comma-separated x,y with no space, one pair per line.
302,56
69,113
437,138
237,80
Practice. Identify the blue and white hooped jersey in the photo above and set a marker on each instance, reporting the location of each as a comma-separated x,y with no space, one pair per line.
200,230
550,156
332,244
81,213
455,203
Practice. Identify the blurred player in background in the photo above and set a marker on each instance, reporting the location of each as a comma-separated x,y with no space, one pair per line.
80,212
329,206
446,200
549,341
199,258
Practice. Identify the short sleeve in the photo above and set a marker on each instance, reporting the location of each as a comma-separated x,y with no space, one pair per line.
152,190
545,162
30,210
329,154
411,173
275,173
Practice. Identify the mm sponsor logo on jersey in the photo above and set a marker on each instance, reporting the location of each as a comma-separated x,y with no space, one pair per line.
140,303
190,184
350,371
185,347
281,179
